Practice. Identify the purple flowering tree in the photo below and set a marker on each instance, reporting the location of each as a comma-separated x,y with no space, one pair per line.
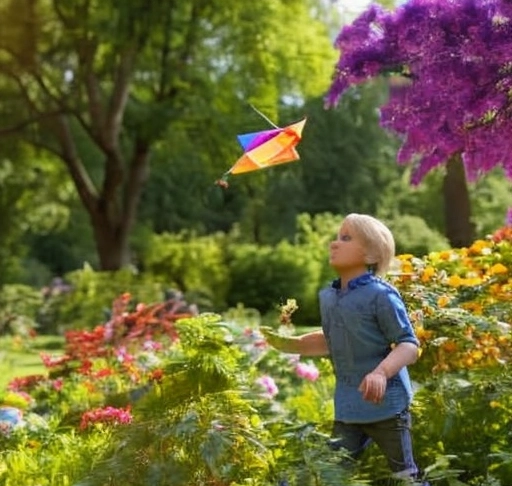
450,68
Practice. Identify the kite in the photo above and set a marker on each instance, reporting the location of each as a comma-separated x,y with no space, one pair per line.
266,149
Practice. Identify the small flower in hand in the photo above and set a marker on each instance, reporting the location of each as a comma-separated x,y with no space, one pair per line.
285,316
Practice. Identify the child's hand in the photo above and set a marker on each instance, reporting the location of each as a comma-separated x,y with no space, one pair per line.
273,338
373,386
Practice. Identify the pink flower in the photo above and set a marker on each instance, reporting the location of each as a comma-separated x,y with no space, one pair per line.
508,220
58,384
307,371
123,356
269,385
150,345
107,415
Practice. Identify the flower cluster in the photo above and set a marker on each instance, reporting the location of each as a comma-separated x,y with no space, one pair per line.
450,79
460,302
286,311
107,415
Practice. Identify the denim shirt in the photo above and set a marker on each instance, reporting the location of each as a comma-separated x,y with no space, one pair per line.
360,323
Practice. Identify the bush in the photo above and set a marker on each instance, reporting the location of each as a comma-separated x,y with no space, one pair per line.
263,277
83,298
193,264
412,235
19,305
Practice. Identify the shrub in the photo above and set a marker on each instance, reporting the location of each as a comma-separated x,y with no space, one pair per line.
83,298
413,235
19,305
264,277
193,264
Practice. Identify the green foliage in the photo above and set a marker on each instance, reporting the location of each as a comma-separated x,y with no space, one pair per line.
490,198
263,277
344,173
61,459
62,249
468,413
32,200
83,300
19,305
194,264
412,235
313,403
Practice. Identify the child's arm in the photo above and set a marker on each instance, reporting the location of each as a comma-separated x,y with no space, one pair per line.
310,344
374,383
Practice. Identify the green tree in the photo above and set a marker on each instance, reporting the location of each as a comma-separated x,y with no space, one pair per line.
98,84
33,200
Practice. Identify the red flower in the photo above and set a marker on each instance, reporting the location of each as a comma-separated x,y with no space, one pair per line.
107,415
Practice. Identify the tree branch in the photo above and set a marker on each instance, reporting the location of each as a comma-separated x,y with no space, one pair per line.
119,96
26,123
83,183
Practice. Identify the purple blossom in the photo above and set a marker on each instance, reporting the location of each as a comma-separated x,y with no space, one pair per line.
269,385
455,59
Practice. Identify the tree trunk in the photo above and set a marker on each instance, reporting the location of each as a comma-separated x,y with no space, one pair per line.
459,228
111,242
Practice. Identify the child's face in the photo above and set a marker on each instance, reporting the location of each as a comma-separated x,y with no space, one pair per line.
347,253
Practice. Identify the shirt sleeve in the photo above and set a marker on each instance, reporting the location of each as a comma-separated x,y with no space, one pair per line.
393,318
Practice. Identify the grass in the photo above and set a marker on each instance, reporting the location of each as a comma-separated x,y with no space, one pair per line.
20,356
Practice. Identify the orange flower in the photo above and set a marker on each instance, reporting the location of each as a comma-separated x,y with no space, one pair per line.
478,246
449,346
422,334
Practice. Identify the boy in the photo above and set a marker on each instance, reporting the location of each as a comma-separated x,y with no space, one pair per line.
370,340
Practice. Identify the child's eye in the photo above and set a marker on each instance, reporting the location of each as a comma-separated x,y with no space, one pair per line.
345,237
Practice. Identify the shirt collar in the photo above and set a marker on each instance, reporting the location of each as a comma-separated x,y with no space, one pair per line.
363,279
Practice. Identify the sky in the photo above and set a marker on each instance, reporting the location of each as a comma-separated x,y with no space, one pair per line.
352,6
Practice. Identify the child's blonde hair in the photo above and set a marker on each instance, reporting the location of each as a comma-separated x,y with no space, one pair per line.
377,240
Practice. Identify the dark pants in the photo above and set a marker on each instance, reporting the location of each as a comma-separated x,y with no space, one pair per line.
393,436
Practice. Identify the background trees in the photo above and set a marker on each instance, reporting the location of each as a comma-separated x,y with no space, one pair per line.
145,162
98,84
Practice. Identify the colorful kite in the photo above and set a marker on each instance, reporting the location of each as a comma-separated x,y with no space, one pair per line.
265,149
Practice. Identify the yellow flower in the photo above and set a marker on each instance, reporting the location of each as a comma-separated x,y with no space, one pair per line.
478,246
427,274
472,281
407,267
498,268
454,281
473,307
405,256
443,301
422,334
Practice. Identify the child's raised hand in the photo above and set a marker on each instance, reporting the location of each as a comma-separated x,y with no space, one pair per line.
373,386
273,338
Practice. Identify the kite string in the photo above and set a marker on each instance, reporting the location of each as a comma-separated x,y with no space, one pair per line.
263,116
